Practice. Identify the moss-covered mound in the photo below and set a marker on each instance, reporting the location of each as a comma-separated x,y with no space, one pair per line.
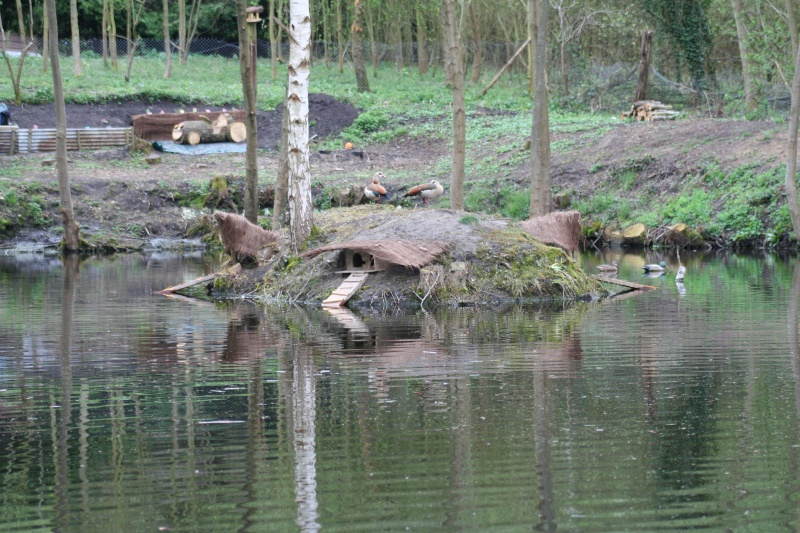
488,261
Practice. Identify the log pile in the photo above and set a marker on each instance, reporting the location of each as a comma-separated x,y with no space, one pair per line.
650,111
223,129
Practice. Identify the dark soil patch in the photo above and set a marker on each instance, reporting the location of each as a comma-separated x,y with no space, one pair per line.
326,115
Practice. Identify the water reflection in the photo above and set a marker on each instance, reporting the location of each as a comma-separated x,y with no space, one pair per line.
678,408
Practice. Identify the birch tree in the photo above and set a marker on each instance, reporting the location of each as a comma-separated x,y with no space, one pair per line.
299,193
540,128
77,68
456,69
71,242
791,162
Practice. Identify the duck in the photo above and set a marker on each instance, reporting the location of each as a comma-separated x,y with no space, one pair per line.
680,275
376,191
427,191
608,268
660,267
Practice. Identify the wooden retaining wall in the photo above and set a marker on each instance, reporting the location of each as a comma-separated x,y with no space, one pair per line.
14,140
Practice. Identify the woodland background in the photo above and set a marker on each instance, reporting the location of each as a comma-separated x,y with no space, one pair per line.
698,49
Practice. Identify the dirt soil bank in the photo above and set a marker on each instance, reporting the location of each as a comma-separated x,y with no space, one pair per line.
119,194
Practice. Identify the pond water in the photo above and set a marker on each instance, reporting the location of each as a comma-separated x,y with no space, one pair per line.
124,410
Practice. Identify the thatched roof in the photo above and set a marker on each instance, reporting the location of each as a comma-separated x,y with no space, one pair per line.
559,228
414,254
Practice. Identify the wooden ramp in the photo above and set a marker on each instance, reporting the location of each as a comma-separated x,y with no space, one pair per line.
624,283
346,290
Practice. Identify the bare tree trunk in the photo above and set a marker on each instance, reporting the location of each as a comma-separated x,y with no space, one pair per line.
194,21
273,43
282,183
362,80
792,22
326,34
250,102
340,36
21,22
112,37
459,114
477,56
104,32
30,19
71,241
167,42
540,129
741,35
791,161
445,45
373,47
182,30
644,65
45,38
299,197
77,68
422,40
397,35
281,5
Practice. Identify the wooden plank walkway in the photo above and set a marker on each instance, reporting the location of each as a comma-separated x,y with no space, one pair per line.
346,290
624,283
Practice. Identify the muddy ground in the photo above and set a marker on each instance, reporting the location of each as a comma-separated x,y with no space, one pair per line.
117,192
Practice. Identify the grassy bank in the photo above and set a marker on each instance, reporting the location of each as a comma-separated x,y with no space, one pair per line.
731,202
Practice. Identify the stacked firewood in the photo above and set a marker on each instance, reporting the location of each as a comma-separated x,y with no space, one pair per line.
223,129
650,110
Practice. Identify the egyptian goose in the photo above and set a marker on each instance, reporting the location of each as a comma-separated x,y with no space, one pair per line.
427,191
608,268
375,191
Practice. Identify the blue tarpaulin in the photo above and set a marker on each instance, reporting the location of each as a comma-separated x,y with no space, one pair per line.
199,149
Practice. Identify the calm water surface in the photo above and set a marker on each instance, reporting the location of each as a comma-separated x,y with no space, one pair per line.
123,410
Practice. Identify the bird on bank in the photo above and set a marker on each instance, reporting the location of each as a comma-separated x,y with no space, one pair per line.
681,273
427,191
660,267
608,268
376,191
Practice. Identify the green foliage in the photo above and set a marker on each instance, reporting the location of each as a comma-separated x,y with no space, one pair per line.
367,122
686,25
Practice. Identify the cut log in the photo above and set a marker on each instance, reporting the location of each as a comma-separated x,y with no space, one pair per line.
236,132
222,122
194,132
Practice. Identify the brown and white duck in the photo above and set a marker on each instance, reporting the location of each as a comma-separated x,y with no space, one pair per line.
376,191
608,268
427,191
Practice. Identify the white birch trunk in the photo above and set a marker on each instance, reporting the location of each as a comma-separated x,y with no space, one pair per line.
299,197
304,423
